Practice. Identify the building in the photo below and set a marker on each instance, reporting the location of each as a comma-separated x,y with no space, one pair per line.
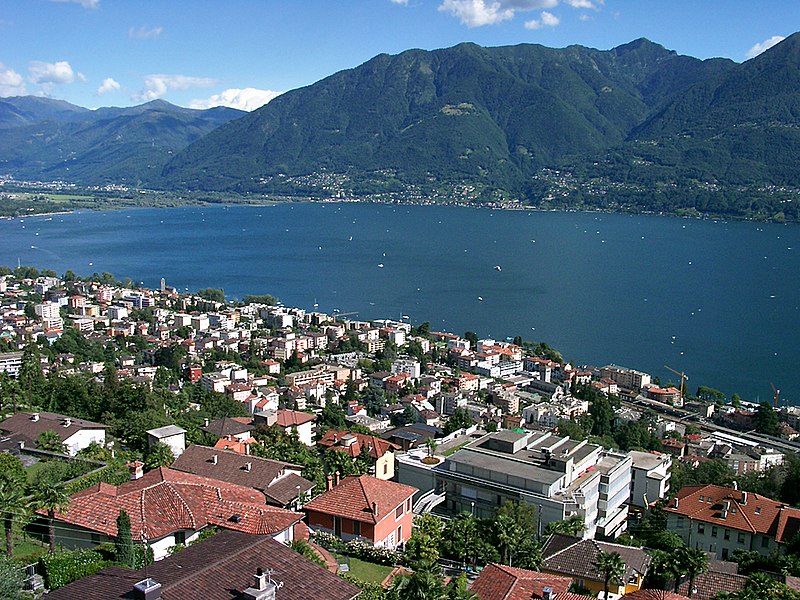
228,565
501,582
10,362
168,507
721,520
376,511
170,435
560,476
381,451
280,482
75,434
300,423
628,379
650,475
573,557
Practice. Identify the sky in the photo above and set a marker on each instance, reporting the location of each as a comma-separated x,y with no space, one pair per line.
243,53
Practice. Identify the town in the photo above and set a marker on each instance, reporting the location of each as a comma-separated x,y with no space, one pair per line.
164,444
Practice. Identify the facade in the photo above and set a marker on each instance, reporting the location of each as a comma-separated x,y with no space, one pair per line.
170,435
381,451
376,511
501,582
721,520
10,362
650,475
560,476
629,379
302,423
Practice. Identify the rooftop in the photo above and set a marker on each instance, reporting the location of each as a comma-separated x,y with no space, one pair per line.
356,498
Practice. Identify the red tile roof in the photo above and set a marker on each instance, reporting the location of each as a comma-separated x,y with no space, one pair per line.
499,582
654,595
288,418
708,585
746,511
377,447
355,497
165,500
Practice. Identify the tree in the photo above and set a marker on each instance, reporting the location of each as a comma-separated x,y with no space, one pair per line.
431,444
766,419
212,294
693,562
30,377
472,338
426,538
159,455
611,565
460,419
11,580
459,589
13,505
51,497
573,526
123,544
424,584
50,441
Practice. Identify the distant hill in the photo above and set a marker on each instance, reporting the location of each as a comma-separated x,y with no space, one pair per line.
47,139
489,115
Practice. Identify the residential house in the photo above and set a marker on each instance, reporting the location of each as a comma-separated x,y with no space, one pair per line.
75,434
501,582
374,510
172,436
238,427
381,451
721,520
573,557
280,482
230,564
168,507
299,422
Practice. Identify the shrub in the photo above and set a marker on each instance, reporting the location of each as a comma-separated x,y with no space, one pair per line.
65,567
369,590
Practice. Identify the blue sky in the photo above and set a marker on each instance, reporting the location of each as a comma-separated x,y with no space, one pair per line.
243,52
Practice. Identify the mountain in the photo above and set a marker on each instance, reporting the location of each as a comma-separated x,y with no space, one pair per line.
493,116
50,139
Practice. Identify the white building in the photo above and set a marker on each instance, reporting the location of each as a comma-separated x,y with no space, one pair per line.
650,475
169,435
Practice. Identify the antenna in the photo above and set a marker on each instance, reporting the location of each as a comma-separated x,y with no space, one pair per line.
775,398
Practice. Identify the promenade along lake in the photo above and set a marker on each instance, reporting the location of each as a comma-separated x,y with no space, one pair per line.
719,300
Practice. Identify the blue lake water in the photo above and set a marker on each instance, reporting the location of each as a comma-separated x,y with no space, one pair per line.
718,300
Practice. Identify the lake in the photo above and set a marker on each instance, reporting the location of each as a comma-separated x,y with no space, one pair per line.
718,300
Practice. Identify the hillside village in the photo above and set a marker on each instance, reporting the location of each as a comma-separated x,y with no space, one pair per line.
150,427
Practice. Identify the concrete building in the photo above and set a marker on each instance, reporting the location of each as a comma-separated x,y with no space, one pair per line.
561,477
170,435
629,379
650,475
10,362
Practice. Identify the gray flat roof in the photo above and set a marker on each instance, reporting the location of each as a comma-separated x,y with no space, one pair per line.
499,463
166,431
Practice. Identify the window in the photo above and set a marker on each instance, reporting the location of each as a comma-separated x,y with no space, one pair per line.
765,542
713,531
701,528
727,534
408,505
399,512
385,468
680,522
400,534
180,537
740,538
356,527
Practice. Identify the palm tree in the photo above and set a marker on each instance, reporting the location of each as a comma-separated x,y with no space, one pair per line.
693,562
13,503
425,584
431,444
51,497
611,565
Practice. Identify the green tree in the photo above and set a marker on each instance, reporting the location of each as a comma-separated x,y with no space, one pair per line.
30,377
52,498
693,562
766,419
159,455
425,541
11,580
13,506
472,338
123,543
573,526
212,294
424,584
459,589
612,567
50,441
460,419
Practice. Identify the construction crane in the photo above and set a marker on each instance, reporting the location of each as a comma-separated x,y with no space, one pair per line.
775,397
684,377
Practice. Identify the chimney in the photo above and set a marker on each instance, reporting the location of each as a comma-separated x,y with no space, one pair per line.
67,422
147,589
547,593
336,476
264,588
35,417
205,422
375,509
744,498
735,485
330,483
136,468
214,459
248,466
676,502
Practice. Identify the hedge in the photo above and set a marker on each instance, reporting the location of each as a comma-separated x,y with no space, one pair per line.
65,567
358,549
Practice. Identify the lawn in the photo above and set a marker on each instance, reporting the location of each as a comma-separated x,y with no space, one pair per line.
367,571
455,449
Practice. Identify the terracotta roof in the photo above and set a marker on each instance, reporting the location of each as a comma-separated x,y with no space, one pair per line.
264,475
499,582
654,595
165,500
355,497
746,511
218,568
708,585
288,418
577,559
377,447
571,596
23,425
234,444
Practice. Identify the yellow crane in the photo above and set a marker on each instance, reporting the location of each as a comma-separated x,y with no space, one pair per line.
684,377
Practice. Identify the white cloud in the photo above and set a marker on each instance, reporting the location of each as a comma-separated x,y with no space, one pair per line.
242,98
476,13
51,73
401,2
143,33
108,85
764,46
83,3
546,20
11,83
580,3
156,86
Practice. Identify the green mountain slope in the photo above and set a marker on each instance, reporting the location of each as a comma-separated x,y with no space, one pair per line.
492,116
121,145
